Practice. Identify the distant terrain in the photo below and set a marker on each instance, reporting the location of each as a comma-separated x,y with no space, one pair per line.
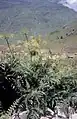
38,16
63,40
44,17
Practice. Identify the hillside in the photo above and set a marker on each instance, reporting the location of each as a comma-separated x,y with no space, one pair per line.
39,17
61,41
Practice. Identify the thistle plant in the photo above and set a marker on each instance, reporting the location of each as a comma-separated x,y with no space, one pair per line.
39,84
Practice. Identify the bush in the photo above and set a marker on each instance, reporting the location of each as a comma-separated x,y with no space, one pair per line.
38,83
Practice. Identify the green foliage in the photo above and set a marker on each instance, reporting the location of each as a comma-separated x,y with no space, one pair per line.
38,83
4,116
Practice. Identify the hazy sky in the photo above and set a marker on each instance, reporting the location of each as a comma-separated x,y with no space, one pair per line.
70,3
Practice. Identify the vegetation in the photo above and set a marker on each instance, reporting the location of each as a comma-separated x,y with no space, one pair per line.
34,82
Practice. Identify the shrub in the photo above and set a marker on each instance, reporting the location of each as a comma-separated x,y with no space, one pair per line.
38,83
